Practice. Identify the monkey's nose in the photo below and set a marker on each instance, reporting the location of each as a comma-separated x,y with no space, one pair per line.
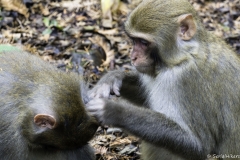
133,59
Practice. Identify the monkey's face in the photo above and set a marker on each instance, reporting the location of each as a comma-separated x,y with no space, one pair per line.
144,32
158,34
141,55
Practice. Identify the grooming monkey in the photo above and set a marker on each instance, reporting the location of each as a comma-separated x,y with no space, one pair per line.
42,111
183,100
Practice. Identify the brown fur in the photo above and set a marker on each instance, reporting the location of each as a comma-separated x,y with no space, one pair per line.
42,113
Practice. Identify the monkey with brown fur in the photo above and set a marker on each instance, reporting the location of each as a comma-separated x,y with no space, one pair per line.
183,100
42,111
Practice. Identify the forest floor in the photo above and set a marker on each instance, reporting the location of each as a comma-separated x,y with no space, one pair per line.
86,37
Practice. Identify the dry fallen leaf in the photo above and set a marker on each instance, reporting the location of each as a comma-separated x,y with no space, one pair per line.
100,149
108,6
108,32
123,7
10,35
15,5
110,54
119,142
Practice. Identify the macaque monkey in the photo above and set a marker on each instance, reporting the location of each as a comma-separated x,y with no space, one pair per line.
42,111
183,100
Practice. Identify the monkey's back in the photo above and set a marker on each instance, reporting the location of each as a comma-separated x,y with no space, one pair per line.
30,85
222,72
211,85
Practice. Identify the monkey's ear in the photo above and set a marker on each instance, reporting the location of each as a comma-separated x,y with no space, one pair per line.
187,27
44,120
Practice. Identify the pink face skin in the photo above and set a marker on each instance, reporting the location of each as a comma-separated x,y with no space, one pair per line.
140,55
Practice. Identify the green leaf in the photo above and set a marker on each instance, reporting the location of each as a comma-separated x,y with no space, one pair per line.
60,28
8,47
46,21
89,28
47,31
53,23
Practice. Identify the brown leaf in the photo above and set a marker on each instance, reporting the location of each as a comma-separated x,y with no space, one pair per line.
15,5
123,7
100,149
105,46
119,142
108,32
44,10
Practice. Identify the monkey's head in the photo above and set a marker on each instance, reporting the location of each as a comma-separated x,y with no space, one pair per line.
159,29
59,119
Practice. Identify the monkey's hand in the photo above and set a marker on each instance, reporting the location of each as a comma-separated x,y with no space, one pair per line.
110,111
96,108
113,82
110,83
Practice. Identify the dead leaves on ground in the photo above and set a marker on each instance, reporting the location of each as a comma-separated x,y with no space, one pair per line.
15,5
114,145
222,18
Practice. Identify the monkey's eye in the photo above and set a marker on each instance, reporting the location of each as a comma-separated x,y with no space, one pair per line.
144,42
140,42
134,41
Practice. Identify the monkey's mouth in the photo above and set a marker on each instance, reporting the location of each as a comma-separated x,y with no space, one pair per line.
141,65
138,66
144,69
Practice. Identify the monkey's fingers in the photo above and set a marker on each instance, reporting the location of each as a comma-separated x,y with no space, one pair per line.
97,113
95,104
96,107
116,87
91,94
100,91
93,109
105,91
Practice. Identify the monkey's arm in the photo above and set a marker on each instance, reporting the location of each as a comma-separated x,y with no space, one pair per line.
119,83
155,128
